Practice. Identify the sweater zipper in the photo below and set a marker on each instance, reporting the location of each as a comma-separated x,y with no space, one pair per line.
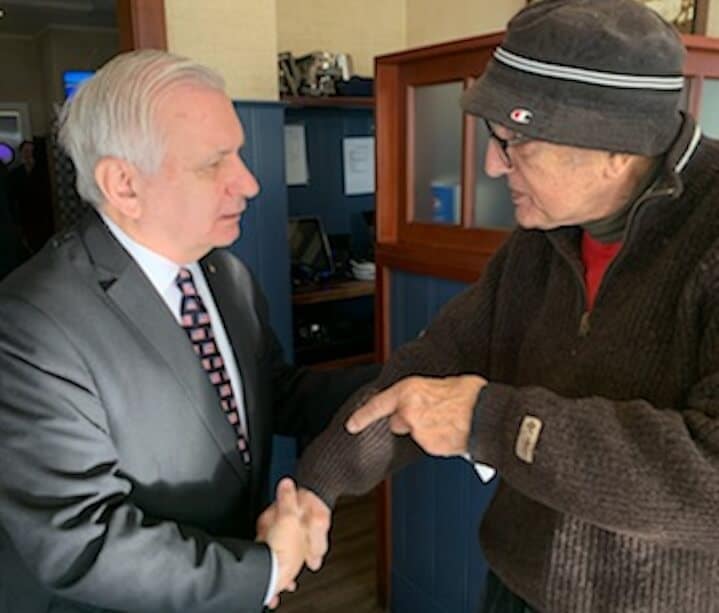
628,233
585,317
578,275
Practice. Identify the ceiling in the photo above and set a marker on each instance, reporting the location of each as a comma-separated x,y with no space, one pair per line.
29,17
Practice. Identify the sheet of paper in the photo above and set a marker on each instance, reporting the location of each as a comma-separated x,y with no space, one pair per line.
358,157
295,155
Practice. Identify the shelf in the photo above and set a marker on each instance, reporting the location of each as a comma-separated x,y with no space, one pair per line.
333,290
353,360
365,102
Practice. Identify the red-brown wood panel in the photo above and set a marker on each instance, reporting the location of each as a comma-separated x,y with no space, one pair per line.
141,24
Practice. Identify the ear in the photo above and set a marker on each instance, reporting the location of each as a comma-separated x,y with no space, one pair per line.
117,179
618,164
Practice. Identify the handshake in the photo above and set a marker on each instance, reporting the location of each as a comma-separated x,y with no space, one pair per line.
295,527
435,412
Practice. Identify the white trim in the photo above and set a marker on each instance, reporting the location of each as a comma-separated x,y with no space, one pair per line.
691,148
594,77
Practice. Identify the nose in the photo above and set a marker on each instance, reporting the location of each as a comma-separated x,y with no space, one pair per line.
242,182
494,164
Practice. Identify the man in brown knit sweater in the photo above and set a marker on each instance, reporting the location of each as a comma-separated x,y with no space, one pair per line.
584,364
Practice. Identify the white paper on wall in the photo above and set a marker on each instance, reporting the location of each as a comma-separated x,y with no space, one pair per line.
358,157
295,155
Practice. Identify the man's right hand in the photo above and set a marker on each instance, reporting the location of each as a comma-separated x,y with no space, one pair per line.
281,527
316,521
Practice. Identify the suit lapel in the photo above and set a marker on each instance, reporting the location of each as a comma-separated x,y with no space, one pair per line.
127,287
233,302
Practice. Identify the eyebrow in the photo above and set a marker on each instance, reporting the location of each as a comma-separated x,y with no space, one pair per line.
223,152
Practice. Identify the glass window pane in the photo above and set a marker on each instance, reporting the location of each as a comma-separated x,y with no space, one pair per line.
493,206
437,153
709,114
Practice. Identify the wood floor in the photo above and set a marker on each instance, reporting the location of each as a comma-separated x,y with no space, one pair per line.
346,582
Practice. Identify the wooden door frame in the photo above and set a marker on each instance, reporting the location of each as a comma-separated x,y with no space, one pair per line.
141,24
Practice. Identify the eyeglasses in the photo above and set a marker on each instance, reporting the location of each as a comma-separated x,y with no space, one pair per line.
506,143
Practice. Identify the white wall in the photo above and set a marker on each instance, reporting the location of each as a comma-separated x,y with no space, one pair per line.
238,38
713,21
241,38
362,28
433,21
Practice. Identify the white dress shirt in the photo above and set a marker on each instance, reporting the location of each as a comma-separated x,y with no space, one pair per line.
162,273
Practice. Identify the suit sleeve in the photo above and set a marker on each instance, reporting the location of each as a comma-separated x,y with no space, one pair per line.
65,502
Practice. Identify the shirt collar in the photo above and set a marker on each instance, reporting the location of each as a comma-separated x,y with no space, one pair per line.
159,270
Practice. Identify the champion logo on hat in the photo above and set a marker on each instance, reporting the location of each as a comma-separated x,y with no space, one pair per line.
523,116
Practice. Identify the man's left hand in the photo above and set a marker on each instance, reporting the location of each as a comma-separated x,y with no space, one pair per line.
436,412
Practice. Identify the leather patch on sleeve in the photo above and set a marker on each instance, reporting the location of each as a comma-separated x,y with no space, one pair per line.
527,438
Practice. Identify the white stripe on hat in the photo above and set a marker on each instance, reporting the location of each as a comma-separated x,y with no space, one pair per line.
595,77
691,148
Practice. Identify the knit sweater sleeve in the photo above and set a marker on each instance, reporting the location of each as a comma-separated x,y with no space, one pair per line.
628,467
338,463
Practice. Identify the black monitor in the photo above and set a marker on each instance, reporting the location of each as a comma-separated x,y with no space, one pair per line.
309,249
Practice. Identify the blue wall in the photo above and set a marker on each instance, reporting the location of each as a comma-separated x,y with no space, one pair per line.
437,565
262,246
323,195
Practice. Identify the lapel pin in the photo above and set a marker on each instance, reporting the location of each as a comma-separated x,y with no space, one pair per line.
211,268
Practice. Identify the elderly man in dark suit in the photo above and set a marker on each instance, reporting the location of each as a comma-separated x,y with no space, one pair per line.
140,383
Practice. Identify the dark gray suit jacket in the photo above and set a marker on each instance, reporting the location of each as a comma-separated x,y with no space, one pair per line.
120,485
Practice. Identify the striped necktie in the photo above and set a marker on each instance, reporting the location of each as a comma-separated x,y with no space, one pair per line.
196,321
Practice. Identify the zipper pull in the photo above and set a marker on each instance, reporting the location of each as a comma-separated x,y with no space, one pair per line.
584,324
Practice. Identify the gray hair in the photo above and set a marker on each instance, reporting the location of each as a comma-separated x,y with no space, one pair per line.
113,113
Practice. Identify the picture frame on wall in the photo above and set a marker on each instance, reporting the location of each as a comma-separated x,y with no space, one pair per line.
688,16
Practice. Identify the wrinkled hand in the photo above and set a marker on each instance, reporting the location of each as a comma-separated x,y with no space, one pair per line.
281,527
436,412
317,519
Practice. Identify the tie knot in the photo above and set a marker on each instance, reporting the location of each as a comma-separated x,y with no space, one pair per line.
185,282
183,275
